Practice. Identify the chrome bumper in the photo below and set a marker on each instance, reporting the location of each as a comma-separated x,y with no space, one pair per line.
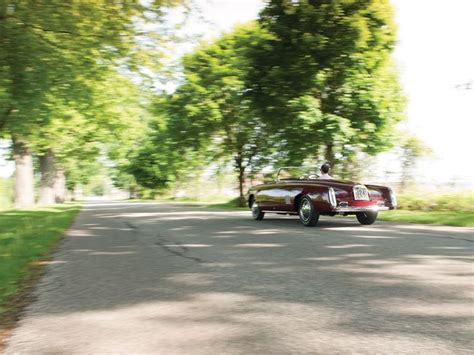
360,209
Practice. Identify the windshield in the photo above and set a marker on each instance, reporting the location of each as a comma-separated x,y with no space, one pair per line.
297,173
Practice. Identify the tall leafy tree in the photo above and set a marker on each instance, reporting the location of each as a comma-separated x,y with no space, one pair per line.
325,76
209,118
49,52
79,132
211,110
412,150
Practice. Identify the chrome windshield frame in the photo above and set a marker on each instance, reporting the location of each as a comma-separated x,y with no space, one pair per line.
303,169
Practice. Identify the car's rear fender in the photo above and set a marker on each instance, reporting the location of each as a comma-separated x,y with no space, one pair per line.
386,195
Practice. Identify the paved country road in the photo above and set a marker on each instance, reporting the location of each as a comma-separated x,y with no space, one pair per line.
142,278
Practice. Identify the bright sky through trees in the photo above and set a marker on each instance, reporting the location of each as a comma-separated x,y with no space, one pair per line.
435,55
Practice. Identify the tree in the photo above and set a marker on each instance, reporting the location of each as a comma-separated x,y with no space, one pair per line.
412,149
50,53
211,112
324,76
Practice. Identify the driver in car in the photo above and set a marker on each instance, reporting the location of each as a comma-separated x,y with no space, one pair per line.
325,171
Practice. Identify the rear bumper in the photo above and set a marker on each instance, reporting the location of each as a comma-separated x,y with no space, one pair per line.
350,209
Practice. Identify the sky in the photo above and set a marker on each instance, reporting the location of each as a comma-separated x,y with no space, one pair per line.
435,55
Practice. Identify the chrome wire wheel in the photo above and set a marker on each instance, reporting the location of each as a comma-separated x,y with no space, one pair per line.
255,209
308,214
257,212
305,210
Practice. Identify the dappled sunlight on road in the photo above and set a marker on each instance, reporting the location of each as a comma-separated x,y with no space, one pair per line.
112,253
259,245
233,323
373,237
81,233
349,246
188,245
358,229
224,283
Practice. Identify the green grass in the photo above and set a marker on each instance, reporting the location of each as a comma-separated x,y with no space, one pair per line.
211,202
26,238
445,202
232,204
459,218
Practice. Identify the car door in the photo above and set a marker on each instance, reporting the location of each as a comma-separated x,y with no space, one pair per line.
267,196
286,198
279,196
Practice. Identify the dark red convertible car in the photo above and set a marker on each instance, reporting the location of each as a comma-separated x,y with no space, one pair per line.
301,191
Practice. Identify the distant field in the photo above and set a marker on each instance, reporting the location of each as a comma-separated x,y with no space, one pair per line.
26,238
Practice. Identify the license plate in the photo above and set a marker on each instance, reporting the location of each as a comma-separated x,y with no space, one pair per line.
361,193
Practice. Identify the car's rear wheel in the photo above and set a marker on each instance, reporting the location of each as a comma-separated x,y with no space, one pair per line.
367,217
309,216
257,212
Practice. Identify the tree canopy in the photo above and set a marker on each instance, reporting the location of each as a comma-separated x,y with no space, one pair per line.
325,75
59,64
309,79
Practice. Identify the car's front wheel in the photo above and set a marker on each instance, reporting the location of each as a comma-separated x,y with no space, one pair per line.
257,212
367,217
309,216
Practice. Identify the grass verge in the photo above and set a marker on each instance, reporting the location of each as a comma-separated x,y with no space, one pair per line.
232,204
27,238
459,218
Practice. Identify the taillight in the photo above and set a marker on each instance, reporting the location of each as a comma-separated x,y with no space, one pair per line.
393,198
332,197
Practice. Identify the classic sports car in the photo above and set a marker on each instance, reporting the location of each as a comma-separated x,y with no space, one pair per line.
301,191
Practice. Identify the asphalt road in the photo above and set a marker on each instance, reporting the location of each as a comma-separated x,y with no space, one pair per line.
140,278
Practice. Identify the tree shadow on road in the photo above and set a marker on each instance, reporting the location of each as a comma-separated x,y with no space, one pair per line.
200,277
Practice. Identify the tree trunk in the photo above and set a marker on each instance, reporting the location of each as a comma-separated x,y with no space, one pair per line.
59,185
241,188
48,177
53,180
70,193
24,178
77,194
240,170
329,155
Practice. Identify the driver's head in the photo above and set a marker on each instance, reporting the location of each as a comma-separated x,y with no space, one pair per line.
325,168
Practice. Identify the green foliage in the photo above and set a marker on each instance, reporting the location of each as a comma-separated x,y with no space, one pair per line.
27,237
325,78
211,107
412,149
51,50
63,84
6,192
209,118
311,75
